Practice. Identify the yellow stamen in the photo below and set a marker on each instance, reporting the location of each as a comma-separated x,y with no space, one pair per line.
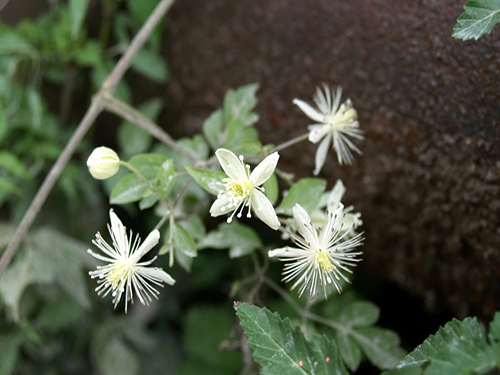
324,262
120,272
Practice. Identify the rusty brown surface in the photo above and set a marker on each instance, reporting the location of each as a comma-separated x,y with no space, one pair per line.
428,181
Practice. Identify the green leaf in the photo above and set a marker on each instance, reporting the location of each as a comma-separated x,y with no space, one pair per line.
183,241
129,189
4,124
10,345
271,188
115,357
282,349
203,341
131,138
460,347
307,192
148,201
77,12
213,129
443,337
208,179
132,188
359,314
240,137
238,238
239,103
381,346
479,18
349,350
165,178
14,43
13,165
35,106
52,257
150,64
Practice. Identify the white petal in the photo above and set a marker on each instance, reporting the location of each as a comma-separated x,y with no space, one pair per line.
159,274
321,153
317,132
119,233
336,195
264,209
265,169
218,205
231,164
304,225
150,242
284,252
310,112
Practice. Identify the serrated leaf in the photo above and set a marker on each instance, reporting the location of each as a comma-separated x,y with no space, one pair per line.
381,346
460,347
282,349
183,241
307,192
479,18
443,337
208,179
238,238
150,64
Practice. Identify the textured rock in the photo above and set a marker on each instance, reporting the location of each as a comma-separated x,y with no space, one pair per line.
428,182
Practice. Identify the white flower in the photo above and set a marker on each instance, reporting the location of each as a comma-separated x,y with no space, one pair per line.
103,163
124,273
243,189
322,257
332,201
333,121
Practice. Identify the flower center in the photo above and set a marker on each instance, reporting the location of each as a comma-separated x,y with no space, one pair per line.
324,262
341,118
120,272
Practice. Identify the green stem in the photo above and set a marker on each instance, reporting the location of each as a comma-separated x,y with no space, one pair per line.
289,143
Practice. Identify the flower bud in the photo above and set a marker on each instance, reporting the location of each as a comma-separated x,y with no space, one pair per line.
103,163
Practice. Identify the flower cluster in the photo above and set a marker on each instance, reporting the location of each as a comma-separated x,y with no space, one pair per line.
124,273
322,256
334,123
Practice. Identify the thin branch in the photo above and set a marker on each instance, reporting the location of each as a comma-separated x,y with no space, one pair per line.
289,143
93,112
131,114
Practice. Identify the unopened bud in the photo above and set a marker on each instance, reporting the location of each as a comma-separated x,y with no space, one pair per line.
103,163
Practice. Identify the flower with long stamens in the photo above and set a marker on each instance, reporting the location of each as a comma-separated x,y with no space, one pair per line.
242,188
124,274
322,257
334,124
